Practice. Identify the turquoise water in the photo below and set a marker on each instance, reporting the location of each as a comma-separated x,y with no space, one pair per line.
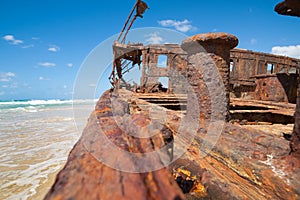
36,137
18,104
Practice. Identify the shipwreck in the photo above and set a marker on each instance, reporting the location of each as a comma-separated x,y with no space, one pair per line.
196,128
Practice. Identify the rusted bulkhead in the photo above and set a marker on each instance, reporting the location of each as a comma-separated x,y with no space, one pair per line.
253,75
262,76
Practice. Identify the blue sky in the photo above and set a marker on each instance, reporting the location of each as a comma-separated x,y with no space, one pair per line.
44,43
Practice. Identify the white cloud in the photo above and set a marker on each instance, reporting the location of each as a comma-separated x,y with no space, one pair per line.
27,46
182,26
162,64
2,93
253,41
8,37
53,48
27,86
35,38
92,85
11,39
47,64
11,85
43,79
65,86
291,51
6,77
154,38
14,85
70,65
10,74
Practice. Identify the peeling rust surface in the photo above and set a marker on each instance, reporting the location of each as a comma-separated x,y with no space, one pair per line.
86,177
226,40
295,143
244,164
277,88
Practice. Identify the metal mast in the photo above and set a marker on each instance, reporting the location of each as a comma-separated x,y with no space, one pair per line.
140,7
120,64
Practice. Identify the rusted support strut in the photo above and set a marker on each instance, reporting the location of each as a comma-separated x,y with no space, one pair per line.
140,8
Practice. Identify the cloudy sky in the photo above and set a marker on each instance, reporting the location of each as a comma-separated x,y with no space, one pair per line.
44,43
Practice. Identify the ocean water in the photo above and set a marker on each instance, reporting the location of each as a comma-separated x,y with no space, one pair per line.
35,140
